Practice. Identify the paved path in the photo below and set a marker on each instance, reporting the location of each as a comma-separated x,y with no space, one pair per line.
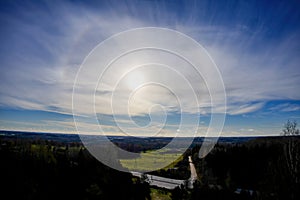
168,182
193,170
194,176
159,181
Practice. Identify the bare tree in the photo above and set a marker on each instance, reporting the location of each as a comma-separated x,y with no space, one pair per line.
290,128
144,178
292,149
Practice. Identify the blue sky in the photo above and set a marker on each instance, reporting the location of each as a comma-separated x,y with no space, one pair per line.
255,45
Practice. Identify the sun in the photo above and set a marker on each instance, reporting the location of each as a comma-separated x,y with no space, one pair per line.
134,79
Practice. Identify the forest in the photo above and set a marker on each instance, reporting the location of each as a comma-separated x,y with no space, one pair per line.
41,169
260,168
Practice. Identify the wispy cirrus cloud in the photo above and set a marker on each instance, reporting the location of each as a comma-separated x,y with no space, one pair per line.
245,108
285,107
43,49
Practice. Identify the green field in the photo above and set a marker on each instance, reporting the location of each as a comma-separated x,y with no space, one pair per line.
158,194
152,160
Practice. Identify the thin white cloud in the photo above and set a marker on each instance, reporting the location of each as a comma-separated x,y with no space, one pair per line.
40,72
248,108
285,107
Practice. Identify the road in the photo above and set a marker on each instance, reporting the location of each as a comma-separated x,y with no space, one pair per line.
168,182
159,181
193,170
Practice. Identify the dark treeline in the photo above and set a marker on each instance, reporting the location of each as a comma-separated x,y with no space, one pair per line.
41,169
264,168
179,171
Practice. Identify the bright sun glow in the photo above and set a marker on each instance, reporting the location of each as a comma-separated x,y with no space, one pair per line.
134,79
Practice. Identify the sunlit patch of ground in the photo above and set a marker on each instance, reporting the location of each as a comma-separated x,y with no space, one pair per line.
152,160
158,194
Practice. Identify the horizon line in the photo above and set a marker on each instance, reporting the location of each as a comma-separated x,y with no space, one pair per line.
141,137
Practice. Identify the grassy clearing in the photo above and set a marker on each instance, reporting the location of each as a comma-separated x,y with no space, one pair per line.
152,160
158,194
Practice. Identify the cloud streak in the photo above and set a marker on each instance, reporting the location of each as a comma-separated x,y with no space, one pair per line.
43,49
